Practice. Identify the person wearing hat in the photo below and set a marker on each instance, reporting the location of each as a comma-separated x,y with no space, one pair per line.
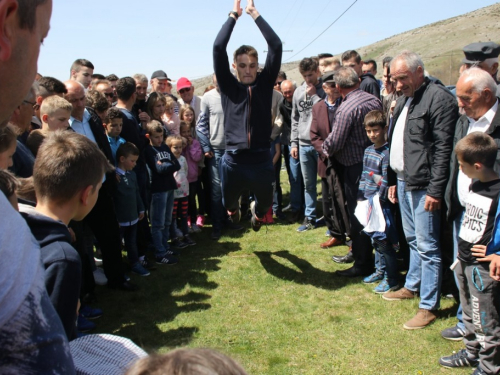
484,55
159,80
323,114
247,101
186,90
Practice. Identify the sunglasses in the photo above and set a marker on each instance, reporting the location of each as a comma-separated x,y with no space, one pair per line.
109,94
278,83
182,91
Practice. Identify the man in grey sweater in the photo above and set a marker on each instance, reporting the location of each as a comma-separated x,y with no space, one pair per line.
304,97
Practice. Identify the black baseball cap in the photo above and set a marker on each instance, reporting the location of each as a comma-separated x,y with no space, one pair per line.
160,74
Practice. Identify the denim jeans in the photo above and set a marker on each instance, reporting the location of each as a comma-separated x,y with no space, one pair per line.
309,166
217,209
457,223
161,218
295,178
237,178
422,229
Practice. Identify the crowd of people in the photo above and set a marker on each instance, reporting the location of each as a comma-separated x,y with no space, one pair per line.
409,171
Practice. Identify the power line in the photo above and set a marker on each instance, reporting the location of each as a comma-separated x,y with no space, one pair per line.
345,11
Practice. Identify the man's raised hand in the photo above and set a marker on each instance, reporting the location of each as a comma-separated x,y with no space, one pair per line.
237,7
251,10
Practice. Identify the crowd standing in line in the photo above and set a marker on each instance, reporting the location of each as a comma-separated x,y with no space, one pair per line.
97,163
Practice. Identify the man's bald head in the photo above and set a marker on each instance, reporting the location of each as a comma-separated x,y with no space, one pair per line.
76,96
287,89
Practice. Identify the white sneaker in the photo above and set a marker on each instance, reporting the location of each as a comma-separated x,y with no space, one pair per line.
100,277
195,228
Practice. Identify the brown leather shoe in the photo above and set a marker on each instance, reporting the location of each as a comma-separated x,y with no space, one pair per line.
331,243
421,320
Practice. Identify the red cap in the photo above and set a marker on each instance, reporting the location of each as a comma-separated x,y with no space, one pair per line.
183,83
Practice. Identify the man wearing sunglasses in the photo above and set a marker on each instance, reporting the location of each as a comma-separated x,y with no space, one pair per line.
186,90
105,88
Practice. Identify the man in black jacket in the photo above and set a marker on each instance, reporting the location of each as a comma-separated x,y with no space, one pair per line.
421,141
352,59
102,219
246,102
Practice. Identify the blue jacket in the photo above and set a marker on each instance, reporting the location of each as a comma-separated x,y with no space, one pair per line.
63,267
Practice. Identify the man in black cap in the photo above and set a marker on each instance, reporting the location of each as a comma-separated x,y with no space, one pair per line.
484,56
159,80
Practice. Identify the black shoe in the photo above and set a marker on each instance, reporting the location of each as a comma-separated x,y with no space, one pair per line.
295,217
256,224
352,272
126,286
216,233
287,208
345,259
460,359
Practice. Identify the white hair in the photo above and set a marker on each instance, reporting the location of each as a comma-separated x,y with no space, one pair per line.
411,59
480,78
489,62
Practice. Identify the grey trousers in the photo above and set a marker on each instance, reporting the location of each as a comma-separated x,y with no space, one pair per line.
480,299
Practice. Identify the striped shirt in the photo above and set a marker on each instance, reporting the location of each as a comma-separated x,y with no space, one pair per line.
347,141
374,175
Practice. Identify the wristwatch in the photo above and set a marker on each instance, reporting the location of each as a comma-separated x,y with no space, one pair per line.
234,14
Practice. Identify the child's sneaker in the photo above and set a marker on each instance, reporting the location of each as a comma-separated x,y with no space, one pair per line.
188,241
200,221
234,216
84,325
384,287
90,313
178,243
195,228
166,259
147,264
178,232
373,278
140,270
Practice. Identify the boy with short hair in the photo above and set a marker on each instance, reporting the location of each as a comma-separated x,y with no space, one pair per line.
374,182
128,204
162,164
478,245
67,176
113,123
55,113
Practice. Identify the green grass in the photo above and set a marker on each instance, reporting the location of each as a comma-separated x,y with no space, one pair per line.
271,301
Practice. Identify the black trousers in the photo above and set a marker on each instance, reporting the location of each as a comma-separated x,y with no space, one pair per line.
102,221
362,249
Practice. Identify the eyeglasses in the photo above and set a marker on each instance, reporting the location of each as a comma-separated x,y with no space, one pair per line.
182,91
278,83
30,103
109,94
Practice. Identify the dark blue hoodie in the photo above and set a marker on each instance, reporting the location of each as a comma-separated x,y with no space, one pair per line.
63,267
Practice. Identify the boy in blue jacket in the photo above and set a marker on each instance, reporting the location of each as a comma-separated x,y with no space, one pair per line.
68,173
478,245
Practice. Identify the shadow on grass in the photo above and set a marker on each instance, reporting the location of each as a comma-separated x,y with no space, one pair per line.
307,274
143,316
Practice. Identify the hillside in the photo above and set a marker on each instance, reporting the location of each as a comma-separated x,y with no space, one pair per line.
439,44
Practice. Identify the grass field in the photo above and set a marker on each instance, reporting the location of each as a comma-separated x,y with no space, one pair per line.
271,301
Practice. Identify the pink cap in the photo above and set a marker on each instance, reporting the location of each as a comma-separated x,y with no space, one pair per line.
183,83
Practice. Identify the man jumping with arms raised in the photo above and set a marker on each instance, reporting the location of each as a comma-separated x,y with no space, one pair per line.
246,101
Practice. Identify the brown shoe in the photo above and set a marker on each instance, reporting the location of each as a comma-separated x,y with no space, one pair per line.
399,295
421,320
331,243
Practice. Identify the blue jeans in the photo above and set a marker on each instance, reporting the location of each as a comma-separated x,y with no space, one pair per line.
161,218
457,223
295,178
217,209
422,230
309,166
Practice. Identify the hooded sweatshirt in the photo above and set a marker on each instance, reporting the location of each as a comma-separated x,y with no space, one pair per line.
302,114
63,267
